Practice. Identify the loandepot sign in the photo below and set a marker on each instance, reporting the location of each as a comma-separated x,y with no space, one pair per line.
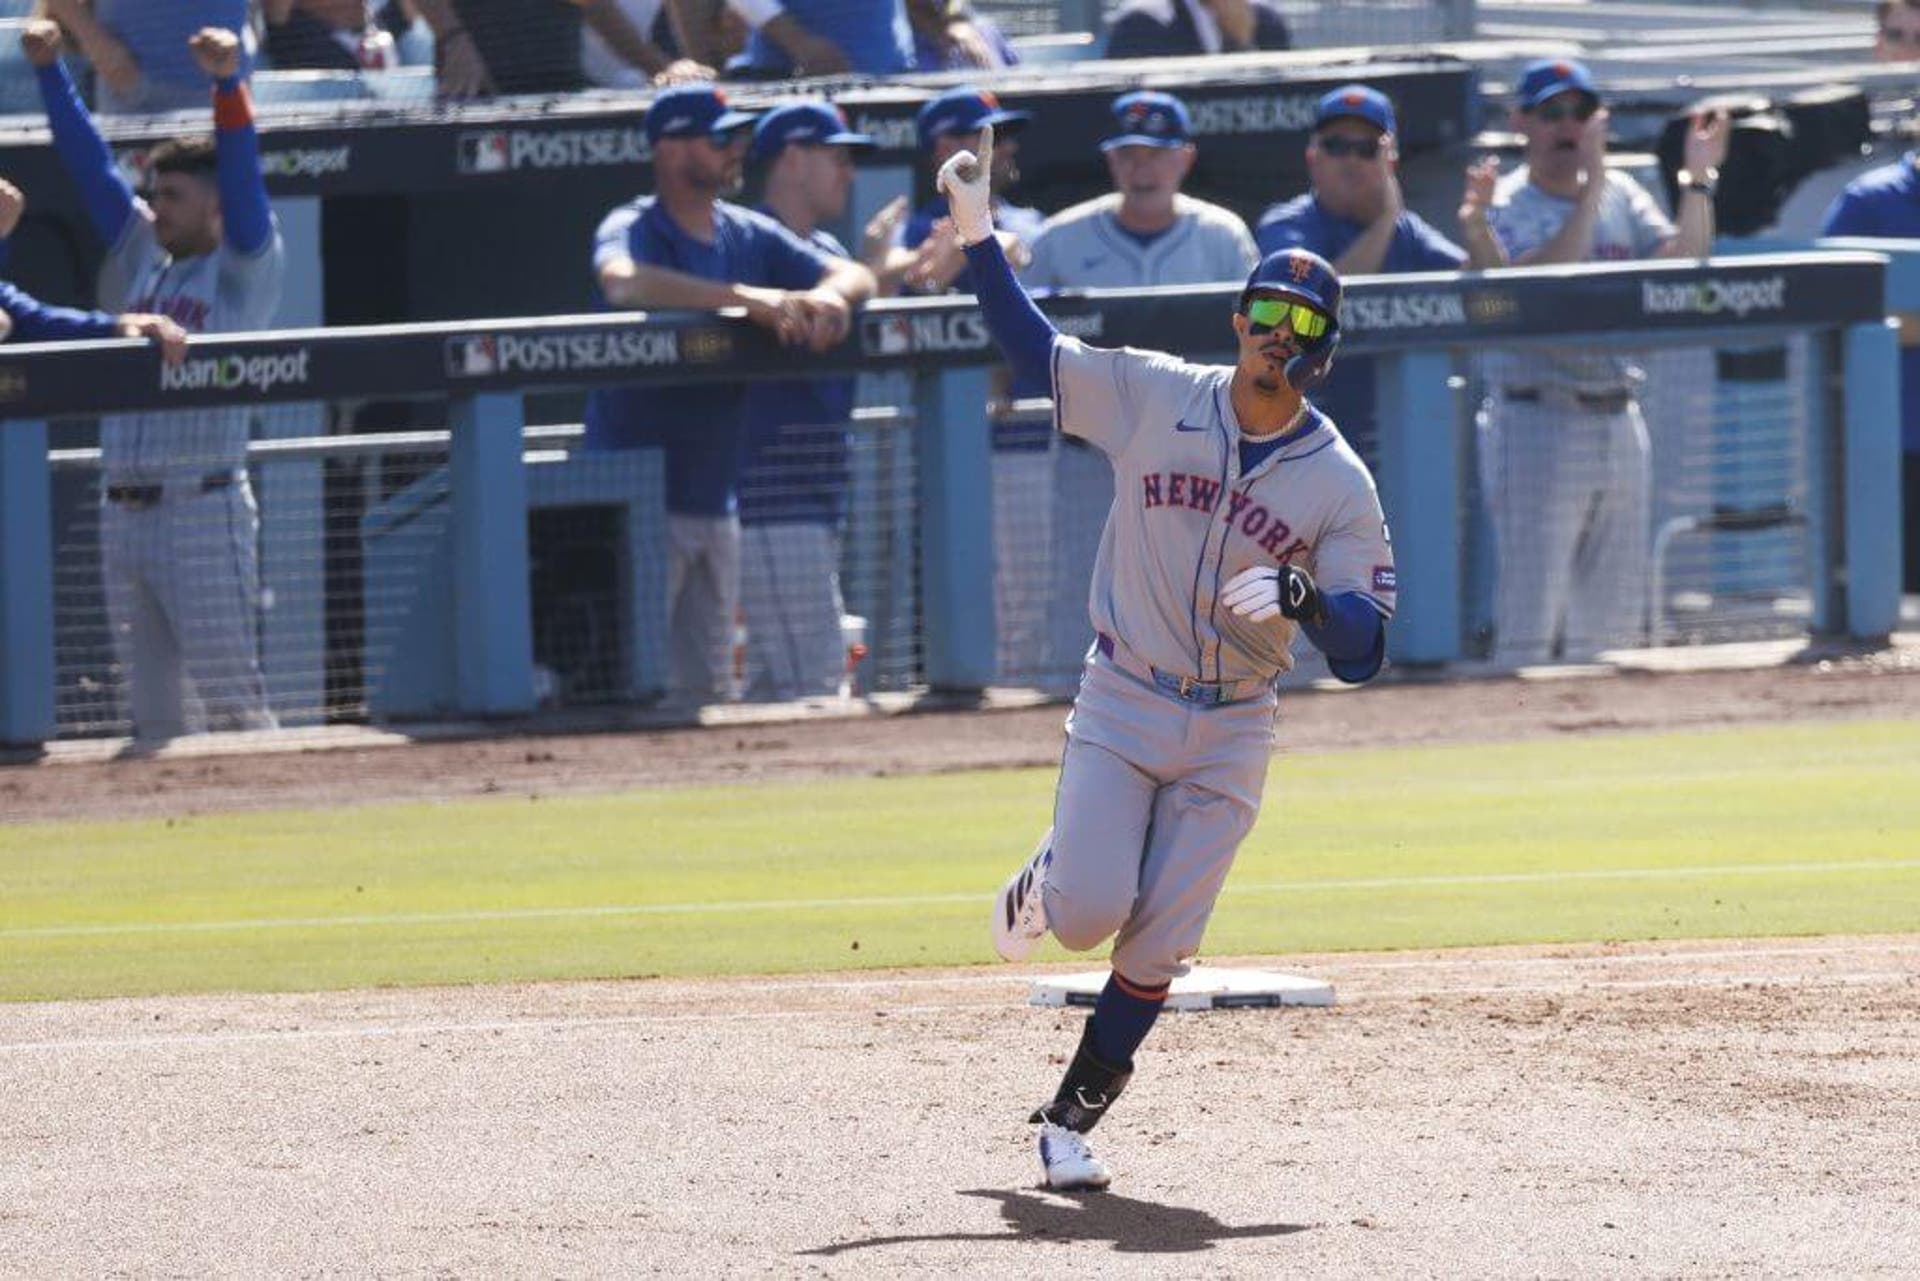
232,373
1714,297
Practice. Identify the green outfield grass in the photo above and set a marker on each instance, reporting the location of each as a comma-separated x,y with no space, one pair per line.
1794,830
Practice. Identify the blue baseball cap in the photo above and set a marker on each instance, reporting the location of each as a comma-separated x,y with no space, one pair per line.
813,124
1299,274
693,111
1549,77
1149,119
1361,102
964,110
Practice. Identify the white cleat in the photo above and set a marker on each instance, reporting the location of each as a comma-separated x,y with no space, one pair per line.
1020,910
1069,1163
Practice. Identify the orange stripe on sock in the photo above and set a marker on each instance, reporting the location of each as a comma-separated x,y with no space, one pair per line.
1139,993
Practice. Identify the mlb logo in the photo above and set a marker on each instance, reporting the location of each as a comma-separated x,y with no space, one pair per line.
472,357
483,153
886,336
1384,579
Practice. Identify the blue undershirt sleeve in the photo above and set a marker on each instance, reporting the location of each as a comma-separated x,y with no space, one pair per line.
35,321
243,190
103,192
1023,332
1354,638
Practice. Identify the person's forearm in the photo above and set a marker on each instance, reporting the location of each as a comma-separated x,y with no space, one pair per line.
1574,241
1696,227
95,41
1365,255
693,29
642,285
1484,249
1023,332
244,209
611,24
35,321
105,195
1352,637
851,280
440,15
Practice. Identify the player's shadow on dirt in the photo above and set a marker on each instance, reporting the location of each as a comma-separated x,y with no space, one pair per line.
1134,1227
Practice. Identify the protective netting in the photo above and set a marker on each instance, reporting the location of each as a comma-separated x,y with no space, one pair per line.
317,586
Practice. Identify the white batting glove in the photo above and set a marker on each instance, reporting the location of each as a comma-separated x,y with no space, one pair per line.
967,182
1265,591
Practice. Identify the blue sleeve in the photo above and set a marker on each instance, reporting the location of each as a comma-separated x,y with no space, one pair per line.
1353,638
104,193
1275,234
1433,251
613,241
243,190
791,262
34,321
1848,215
1024,334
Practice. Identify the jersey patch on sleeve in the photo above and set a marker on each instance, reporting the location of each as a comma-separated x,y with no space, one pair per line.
1384,579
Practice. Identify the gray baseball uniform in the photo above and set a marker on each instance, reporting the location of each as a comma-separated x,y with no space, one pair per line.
1564,450
1058,500
1158,790
179,528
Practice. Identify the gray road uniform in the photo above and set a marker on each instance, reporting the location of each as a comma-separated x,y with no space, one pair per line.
1564,452
1050,505
1169,737
179,529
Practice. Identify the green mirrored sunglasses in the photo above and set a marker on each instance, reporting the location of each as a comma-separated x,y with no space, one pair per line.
1265,314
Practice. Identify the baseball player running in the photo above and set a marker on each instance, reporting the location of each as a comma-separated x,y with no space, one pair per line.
1241,519
179,530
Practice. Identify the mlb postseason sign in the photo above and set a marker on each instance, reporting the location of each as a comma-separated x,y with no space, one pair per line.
1630,303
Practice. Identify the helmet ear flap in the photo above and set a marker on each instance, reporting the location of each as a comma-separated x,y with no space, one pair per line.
1310,367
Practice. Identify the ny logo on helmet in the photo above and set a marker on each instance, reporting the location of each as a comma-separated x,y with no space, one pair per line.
1301,267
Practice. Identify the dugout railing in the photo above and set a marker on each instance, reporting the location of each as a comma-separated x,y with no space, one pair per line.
460,527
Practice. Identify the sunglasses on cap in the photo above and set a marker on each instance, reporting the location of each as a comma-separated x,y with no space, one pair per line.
1265,314
1581,109
1336,146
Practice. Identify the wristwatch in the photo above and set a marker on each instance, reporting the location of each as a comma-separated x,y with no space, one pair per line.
1705,183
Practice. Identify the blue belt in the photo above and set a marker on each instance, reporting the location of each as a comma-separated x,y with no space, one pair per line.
1185,688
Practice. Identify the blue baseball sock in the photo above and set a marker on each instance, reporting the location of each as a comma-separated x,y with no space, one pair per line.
1122,1016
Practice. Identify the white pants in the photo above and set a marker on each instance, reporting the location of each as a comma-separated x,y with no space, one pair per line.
790,597
182,579
703,595
1567,490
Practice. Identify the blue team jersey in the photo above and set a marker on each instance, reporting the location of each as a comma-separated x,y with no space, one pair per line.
1886,202
699,427
1303,223
874,34
796,446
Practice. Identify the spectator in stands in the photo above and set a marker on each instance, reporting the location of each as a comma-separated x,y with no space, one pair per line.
178,525
823,38
1563,448
949,36
327,35
1885,202
652,54
1897,38
952,123
687,247
1144,232
485,47
794,478
138,48
1188,28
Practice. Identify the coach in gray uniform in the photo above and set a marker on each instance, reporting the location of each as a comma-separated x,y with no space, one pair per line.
1563,448
1144,232
179,531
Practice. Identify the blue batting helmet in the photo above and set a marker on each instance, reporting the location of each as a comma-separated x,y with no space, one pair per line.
1305,277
